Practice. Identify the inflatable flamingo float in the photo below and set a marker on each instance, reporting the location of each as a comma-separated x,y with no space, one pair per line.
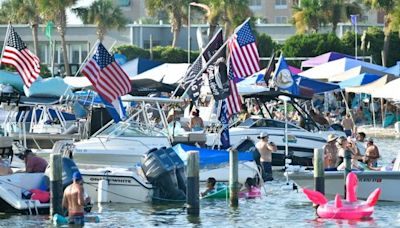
351,208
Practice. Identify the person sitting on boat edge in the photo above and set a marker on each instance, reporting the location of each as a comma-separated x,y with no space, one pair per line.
73,200
266,149
210,186
33,163
196,122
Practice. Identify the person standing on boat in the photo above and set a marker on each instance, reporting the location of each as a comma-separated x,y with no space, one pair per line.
73,200
348,125
371,153
341,144
330,152
266,149
33,163
196,122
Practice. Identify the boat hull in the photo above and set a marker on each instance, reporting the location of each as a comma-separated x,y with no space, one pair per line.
368,181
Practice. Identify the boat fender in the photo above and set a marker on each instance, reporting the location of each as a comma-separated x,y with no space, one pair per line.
102,193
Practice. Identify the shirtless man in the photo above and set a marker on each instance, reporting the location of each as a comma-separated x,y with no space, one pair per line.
348,125
371,153
330,152
74,201
266,149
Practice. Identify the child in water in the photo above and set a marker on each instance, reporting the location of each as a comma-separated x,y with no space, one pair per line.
210,186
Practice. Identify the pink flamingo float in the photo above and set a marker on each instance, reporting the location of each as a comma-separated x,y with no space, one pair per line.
351,208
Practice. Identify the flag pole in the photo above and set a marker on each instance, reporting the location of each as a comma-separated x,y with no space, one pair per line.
213,58
5,42
355,34
200,56
87,57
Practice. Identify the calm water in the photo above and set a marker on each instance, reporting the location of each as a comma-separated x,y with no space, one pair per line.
279,208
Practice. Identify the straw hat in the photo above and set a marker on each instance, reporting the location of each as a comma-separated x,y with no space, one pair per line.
262,135
331,137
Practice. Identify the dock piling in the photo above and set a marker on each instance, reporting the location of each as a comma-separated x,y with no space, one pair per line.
192,188
319,176
233,178
56,188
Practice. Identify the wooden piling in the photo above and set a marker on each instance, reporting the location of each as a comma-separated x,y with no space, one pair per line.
347,169
192,188
233,178
319,176
56,188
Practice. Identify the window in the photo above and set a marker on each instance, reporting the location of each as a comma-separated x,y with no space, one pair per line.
123,3
281,20
254,3
280,4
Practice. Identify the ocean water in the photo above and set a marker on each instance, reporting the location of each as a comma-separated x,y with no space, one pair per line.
278,208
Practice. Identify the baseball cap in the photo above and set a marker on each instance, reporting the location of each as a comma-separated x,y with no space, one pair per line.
77,176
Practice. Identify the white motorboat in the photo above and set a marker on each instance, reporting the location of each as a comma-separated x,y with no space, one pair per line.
388,181
121,144
301,142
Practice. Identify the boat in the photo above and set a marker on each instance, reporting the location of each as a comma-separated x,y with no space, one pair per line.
16,190
368,181
301,141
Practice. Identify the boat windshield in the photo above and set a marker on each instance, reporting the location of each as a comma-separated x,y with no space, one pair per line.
130,129
255,123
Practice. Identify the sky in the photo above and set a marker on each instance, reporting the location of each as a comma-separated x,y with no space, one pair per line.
72,19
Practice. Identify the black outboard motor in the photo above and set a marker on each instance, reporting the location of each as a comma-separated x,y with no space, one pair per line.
69,167
160,171
179,168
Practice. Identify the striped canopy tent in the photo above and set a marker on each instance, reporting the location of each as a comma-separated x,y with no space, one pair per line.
359,80
335,68
354,72
371,87
324,58
395,70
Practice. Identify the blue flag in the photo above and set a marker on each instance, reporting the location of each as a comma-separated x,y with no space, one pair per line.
223,118
353,19
283,78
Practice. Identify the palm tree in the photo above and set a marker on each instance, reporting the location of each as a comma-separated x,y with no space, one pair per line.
176,10
104,15
336,11
23,12
308,16
230,12
388,8
54,10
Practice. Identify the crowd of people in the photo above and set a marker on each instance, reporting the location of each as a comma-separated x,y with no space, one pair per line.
336,147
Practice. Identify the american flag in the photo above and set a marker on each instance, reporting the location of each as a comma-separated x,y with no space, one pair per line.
106,76
18,55
243,61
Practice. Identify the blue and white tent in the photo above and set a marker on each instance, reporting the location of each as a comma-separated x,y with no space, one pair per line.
359,80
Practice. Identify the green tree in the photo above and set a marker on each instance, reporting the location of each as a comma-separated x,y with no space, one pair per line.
388,8
22,12
308,16
176,10
104,14
231,13
55,10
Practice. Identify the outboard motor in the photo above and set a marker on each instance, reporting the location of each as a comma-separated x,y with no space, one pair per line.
69,167
179,168
160,171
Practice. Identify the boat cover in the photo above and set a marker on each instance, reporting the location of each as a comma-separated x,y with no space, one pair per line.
210,156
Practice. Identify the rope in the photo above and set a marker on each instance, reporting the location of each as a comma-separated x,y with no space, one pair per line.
131,198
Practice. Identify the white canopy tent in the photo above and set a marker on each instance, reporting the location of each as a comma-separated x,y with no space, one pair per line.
168,73
388,91
334,68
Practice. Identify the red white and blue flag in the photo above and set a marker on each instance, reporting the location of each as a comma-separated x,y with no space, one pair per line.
18,55
108,79
243,61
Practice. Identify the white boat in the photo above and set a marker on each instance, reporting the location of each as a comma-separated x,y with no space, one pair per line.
123,185
368,181
301,143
